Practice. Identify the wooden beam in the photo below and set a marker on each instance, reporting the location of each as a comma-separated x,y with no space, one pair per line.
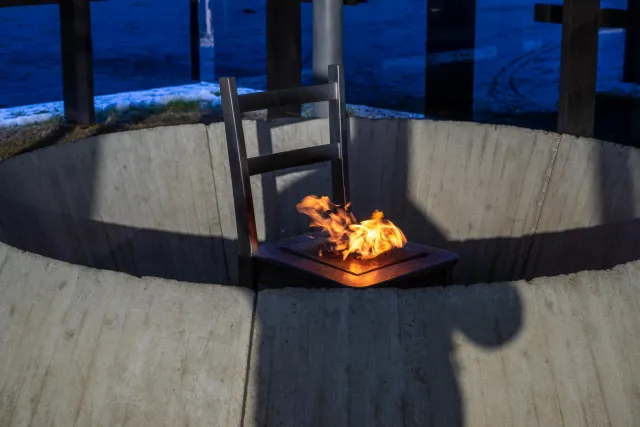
194,38
628,19
553,14
451,27
77,61
632,48
284,53
578,67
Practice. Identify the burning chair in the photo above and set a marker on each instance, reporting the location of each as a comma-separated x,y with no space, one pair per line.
345,253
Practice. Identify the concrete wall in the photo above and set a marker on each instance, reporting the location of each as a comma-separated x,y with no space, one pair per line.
474,189
590,216
84,347
493,194
142,202
512,202
87,348
559,351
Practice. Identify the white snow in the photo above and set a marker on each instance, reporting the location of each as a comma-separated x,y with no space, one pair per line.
204,92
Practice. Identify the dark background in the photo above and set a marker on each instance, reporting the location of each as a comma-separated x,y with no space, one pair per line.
142,44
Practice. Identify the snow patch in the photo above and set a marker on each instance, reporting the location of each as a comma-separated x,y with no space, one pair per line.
207,93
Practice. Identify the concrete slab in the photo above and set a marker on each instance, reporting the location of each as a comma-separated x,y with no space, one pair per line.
558,351
84,347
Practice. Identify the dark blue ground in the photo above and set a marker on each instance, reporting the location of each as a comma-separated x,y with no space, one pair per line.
140,44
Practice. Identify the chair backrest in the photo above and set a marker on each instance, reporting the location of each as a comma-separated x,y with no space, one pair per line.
242,168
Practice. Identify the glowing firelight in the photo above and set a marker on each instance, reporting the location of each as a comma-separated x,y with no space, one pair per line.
367,239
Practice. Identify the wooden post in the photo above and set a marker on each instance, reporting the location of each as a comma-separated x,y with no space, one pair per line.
578,66
632,47
577,93
284,54
552,14
77,61
451,27
194,38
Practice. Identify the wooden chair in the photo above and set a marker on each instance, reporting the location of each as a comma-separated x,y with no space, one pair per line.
284,263
242,168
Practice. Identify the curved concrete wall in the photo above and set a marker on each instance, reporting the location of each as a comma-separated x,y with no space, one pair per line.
142,202
512,202
84,347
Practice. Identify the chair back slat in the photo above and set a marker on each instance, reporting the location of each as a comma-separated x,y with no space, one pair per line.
293,158
242,168
282,97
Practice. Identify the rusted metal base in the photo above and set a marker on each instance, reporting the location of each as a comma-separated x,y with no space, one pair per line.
295,263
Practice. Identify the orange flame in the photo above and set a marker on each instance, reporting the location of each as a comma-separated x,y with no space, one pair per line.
366,240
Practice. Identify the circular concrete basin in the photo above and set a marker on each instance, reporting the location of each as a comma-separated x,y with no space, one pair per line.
92,346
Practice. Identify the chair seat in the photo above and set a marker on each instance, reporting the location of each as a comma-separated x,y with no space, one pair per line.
279,264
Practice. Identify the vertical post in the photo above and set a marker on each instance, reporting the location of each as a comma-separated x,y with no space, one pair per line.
578,67
451,28
284,55
327,44
77,61
194,38
206,44
339,131
240,180
632,43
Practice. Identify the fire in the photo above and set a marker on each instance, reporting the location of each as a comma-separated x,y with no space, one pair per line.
367,239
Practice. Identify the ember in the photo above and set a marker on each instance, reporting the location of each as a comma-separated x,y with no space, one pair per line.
366,240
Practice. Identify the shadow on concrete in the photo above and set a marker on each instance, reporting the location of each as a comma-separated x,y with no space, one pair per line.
60,226
404,353
341,358
483,260
371,358
143,252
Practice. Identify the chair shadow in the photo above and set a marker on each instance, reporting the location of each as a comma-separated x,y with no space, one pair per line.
384,357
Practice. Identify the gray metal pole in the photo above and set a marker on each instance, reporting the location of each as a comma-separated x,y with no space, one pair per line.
327,43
